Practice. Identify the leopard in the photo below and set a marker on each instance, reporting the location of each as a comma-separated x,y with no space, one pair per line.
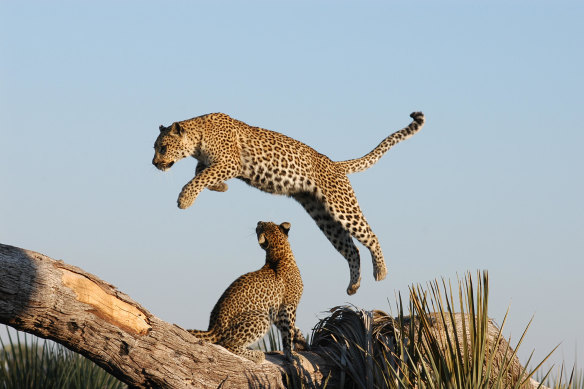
256,300
227,148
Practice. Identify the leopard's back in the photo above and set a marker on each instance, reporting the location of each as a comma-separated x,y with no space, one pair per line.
276,163
255,291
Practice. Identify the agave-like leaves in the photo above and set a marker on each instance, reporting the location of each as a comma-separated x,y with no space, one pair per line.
439,344
574,381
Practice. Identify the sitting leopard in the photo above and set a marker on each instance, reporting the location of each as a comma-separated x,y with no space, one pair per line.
227,148
255,300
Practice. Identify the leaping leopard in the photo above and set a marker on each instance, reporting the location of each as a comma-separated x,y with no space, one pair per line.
272,162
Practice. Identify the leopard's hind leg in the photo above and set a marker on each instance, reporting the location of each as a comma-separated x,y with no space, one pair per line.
339,201
243,330
353,221
336,234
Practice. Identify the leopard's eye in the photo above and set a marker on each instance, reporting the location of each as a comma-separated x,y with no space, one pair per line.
162,150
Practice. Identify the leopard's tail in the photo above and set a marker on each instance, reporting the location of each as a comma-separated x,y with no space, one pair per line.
365,162
208,336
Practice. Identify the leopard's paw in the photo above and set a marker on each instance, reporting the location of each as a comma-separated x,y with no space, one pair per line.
184,200
220,187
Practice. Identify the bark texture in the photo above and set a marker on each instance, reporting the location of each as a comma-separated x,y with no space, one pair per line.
57,301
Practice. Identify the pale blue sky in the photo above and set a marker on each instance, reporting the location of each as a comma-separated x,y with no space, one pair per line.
494,181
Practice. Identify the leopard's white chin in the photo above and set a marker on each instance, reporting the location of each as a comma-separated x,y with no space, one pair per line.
164,166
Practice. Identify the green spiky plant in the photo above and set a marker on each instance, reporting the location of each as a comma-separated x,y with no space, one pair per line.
28,362
271,342
575,380
435,346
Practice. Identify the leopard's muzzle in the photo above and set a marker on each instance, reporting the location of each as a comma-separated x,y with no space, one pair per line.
163,165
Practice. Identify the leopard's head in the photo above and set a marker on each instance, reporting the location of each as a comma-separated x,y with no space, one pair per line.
172,145
271,235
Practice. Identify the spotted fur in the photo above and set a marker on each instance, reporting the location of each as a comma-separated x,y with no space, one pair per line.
272,162
258,299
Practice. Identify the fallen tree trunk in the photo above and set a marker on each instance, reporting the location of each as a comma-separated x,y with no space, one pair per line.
57,301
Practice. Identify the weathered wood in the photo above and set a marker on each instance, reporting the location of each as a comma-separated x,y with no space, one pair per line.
57,301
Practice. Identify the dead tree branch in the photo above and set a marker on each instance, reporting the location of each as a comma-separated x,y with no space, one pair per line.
57,301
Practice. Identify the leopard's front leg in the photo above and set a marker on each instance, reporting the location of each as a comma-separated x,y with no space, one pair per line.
209,177
285,321
220,187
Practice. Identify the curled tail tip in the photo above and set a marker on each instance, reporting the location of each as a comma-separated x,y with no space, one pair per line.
418,117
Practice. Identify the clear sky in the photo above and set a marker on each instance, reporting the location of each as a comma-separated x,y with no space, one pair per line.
494,181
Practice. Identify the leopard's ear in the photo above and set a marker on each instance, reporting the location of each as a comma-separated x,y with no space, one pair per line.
285,227
263,241
176,129
161,128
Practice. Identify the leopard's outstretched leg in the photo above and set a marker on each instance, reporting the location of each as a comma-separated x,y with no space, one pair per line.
336,234
340,202
209,177
220,187
362,232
